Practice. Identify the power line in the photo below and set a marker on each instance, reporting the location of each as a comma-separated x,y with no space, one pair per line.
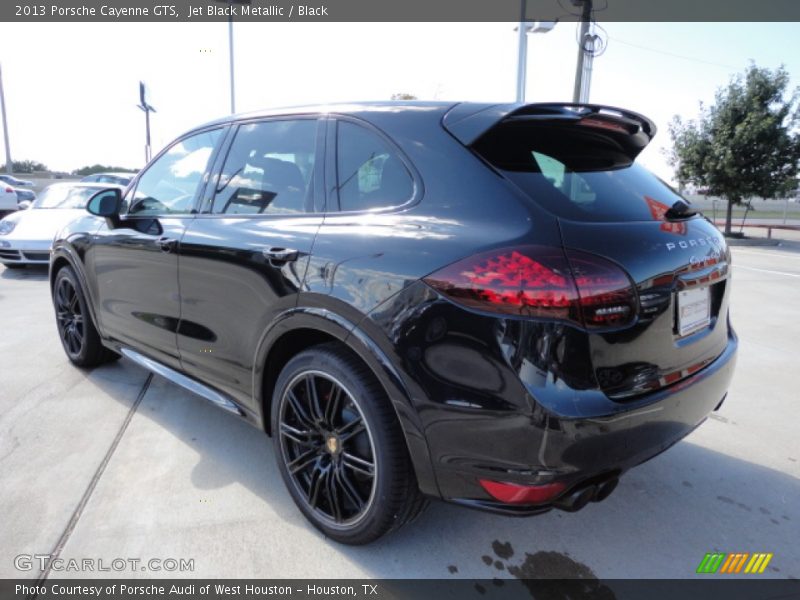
674,55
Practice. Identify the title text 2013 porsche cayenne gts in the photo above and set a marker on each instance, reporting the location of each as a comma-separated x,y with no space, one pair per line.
489,304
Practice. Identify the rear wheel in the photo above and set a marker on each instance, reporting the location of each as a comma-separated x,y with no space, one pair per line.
76,330
340,449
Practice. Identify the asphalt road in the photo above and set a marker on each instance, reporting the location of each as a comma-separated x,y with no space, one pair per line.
114,464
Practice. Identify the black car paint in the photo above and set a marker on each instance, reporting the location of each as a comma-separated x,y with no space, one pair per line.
478,396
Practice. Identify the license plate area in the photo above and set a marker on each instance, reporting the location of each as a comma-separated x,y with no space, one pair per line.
694,310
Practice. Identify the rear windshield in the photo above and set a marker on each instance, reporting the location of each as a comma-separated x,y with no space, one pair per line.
576,174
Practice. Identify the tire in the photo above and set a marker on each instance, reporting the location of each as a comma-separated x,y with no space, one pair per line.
327,449
13,266
76,329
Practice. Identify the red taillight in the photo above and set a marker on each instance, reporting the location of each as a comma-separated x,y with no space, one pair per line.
529,281
537,281
9,190
512,493
607,297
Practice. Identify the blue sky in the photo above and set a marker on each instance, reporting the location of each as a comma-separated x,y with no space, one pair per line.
71,89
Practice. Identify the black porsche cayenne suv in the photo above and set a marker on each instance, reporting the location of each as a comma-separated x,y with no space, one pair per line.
489,304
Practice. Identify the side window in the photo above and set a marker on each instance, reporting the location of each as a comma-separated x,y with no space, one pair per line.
170,184
370,174
269,169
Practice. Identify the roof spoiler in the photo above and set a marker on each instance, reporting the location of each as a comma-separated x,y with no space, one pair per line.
468,122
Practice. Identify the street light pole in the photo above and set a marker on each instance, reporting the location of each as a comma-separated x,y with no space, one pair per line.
9,167
522,58
147,110
230,4
148,147
230,55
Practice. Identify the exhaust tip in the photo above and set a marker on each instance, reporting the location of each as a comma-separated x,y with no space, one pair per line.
604,489
577,500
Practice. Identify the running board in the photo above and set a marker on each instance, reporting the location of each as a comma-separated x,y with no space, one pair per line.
183,381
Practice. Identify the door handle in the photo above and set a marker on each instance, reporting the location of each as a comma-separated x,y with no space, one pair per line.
167,244
281,255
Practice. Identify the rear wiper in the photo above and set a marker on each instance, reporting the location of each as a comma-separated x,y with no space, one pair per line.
679,210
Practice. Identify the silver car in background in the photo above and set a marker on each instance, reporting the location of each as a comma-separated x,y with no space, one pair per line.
26,235
115,178
13,181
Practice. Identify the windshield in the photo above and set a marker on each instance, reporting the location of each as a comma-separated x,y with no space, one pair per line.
64,197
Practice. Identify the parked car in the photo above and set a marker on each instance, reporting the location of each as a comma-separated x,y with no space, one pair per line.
24,195
26,236
489,304
122,179
8,199
13,181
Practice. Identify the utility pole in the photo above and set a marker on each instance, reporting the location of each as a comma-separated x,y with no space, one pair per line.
583,71
9,168
147,110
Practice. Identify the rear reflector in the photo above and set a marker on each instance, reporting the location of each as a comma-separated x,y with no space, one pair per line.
607,297
542,282
512,493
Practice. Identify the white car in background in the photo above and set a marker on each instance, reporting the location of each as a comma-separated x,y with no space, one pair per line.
8,199
26,236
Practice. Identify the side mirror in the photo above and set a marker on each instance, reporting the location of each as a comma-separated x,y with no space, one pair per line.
106,203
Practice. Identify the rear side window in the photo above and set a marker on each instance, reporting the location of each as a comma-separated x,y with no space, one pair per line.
269,169
369,172
576,174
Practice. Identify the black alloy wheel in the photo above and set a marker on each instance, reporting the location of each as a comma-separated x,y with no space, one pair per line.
69,317
76,329
328,447
339,447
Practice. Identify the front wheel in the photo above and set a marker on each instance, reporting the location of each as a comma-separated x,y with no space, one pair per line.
76,330
340,449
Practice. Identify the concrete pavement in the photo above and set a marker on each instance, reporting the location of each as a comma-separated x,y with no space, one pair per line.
85,474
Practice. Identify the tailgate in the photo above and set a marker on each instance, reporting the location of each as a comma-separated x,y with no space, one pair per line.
681,274
577,162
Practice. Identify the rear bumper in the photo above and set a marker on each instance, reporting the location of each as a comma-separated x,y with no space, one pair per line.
578,451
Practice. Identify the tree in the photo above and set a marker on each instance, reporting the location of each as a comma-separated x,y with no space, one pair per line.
403,96
27,166
747,144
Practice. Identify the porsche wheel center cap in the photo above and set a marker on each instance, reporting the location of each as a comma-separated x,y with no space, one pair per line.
332,444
